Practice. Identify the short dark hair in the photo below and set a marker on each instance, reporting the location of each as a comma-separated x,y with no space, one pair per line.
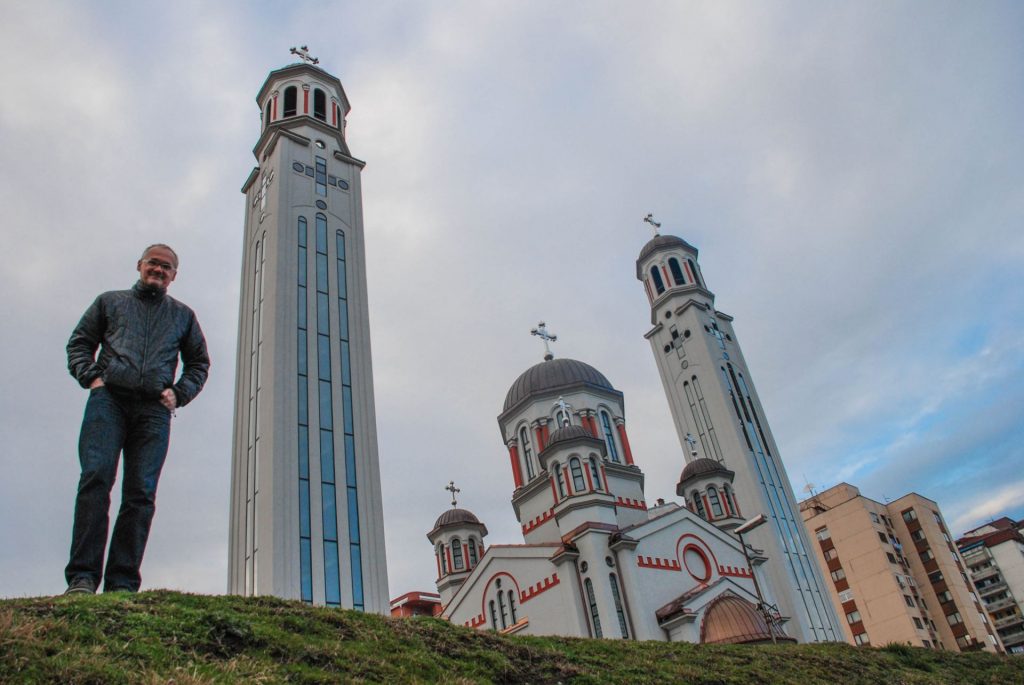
166,247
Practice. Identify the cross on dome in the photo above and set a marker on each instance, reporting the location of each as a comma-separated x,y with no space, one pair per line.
452,489
541,332
303,54
654,224
565,407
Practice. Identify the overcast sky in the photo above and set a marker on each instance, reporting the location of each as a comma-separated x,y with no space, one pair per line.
852,173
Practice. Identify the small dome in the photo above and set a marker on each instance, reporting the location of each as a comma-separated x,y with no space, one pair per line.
703,467
568,433
455,516
660,242
554,374
732,620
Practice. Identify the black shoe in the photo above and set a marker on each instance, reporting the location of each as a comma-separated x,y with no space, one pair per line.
82,585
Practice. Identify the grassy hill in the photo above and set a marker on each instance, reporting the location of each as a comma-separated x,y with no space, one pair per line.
158,637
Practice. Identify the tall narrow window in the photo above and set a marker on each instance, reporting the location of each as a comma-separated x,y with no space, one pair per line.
321,176
696,274
266,115
578,483
730,500
348,425
656,277
253,452
592,601
443,557
501,606
558,478
305,542
524,440
472,553
319,104
716,504
457,554
512,606
698,505
290,98
494,615
609,436
618,606
677,272
595,474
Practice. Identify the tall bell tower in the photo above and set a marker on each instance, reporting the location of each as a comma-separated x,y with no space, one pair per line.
305,520
718,416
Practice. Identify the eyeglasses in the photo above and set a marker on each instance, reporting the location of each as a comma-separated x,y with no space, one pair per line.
156,263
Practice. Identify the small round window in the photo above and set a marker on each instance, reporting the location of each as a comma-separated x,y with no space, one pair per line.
320,144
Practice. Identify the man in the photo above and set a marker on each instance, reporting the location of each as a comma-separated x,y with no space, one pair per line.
132,396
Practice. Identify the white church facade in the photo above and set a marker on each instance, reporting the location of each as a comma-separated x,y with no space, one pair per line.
598,560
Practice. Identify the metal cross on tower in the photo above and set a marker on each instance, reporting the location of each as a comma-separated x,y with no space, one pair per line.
654,224
303,53
565,407
541,332
452,489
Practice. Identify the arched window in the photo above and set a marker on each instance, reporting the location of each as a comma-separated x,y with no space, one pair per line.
472,553
595,474
494,616
609,436
443,557
457,554
503,611
698,505
578,484
677,271
524,440
716,505
290,98
266,116
693,270
558,478
319,104
730,500
512,606
656,277
592,601
618,606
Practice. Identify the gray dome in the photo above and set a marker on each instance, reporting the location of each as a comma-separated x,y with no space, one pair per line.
660,242
554,374
454,516
568,433
703,467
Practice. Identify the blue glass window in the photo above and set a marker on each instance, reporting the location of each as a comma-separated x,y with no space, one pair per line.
305,546
609,437
330,511
357,576
306,569
303,452
353,517
346,396
303,401
578,484
346,369
325,405
303,352
304,508
327,456
592,601
321,273
321,235
332,581
323,353
321,173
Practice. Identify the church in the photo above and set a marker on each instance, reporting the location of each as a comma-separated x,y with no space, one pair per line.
597,560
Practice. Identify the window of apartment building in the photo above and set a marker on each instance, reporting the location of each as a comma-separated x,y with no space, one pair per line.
954,618
881,536
892,559
831,554
963,641
838,574
822,533
852,617
874,517
935,577
917,535
899,580
909,515
938,519
909,600
861,639
888,521
917,622
845,596
927,555
945,596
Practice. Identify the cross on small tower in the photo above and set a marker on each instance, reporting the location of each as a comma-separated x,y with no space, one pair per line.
692,442
452,489
541,332
565,410
654,224
303,53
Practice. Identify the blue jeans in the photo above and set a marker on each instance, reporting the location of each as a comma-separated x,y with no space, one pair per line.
114,422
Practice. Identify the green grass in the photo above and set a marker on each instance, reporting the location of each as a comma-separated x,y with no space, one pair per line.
163,637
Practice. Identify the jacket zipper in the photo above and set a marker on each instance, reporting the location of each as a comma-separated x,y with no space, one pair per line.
145,346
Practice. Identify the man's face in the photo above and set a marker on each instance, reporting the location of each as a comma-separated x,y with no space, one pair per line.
156,268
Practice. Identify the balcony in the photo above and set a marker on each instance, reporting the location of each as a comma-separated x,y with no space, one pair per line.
1007,621
988,572
991,589
1000,604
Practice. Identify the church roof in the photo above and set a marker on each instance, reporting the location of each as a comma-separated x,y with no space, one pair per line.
566,433
660,242
732,620
703,467
551,375
455,517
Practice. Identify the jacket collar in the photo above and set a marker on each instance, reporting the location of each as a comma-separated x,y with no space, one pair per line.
147,293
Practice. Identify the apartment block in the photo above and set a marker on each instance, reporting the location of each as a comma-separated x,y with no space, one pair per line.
895,574
994,554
